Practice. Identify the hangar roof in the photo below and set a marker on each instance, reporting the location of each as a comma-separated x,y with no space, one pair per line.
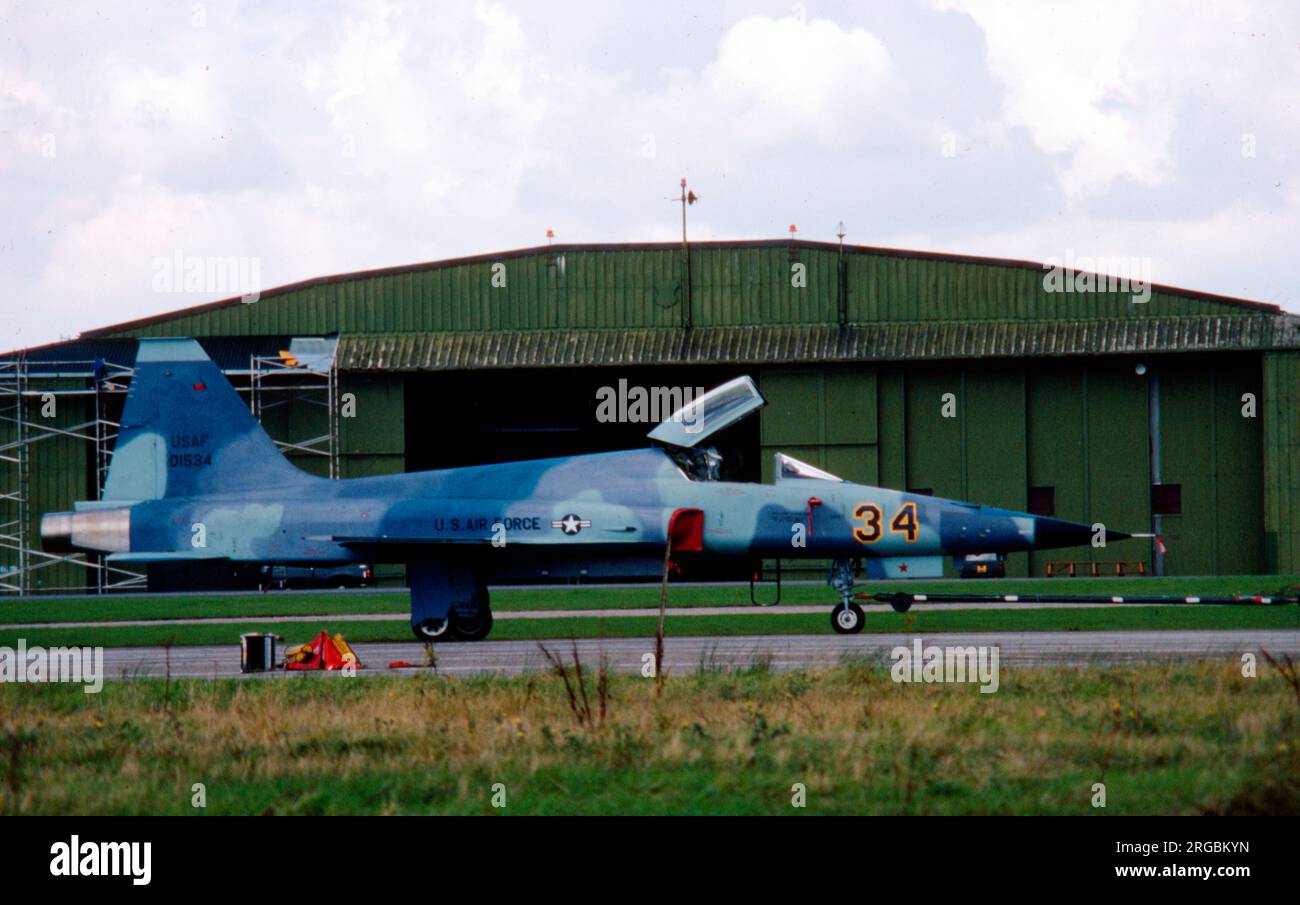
628,303
810,343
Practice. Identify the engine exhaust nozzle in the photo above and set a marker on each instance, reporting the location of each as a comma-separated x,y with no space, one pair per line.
97,530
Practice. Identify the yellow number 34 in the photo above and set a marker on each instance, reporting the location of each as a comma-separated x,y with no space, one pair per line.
904,522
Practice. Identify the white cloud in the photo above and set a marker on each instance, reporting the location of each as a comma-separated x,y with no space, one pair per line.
389,132
1103,87
790,79
1081,79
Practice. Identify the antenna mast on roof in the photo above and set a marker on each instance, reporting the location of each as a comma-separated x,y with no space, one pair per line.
686,199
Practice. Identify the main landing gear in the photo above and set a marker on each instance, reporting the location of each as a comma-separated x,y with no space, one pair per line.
448,603
847,617
455,627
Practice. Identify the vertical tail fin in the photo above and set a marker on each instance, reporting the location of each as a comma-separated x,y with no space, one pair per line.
186,432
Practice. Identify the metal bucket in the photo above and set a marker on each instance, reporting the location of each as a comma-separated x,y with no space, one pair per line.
257,651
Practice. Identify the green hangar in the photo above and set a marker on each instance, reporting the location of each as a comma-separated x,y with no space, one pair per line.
1145,408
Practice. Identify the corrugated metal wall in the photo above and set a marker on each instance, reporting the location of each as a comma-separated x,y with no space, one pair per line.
827,418
371,432
644,287
1080,428
1279,407
1212,447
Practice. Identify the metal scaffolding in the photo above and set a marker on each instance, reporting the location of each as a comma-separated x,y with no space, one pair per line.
306,374
15,476
42,386
301,380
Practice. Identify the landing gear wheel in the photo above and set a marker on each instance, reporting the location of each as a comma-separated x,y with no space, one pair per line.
847,620
901,602
474,627
432,629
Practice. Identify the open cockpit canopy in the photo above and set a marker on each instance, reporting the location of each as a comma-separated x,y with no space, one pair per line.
704,416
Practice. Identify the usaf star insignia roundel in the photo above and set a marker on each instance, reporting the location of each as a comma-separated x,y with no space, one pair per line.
571,524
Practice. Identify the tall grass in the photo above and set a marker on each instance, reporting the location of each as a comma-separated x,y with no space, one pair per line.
1195,738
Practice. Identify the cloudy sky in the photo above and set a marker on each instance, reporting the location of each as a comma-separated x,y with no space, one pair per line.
314,138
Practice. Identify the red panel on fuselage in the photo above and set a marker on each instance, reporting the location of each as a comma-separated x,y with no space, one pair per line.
686,529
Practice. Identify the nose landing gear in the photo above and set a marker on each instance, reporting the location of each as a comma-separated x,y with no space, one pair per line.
847,618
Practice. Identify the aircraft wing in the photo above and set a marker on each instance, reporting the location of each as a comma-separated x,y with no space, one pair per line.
185,556
621,538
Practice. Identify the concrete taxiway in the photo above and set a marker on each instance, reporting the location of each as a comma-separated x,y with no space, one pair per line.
685,655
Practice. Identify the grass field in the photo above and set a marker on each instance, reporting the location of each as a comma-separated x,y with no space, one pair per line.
929,620
106,609
1163,739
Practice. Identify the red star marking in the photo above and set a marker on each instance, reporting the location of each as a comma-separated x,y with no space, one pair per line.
902,567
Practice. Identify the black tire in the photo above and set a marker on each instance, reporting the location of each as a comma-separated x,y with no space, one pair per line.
474,627
433,629
901,602
847,620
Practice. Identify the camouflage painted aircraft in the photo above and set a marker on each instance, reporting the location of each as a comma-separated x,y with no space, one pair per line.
194,477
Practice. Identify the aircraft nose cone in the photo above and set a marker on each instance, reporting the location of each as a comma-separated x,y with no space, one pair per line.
1052,532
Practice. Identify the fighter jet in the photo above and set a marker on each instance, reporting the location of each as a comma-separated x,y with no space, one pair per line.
194,477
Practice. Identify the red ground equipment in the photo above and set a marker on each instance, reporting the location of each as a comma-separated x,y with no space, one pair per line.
322,652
